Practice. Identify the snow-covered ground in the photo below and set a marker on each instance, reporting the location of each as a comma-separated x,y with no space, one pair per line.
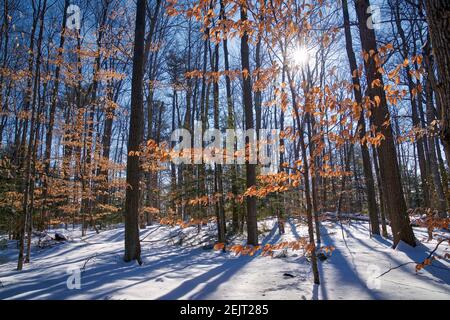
190,271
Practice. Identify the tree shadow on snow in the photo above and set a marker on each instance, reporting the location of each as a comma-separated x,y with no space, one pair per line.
346,274
97,275
212,279
418,254
103,274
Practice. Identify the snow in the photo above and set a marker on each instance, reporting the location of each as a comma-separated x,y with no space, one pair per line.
353,270
188,271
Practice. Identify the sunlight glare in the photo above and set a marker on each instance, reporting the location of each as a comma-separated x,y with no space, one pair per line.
301,56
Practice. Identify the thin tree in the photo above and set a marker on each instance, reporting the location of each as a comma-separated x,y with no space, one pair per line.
367,165
438,12
252,226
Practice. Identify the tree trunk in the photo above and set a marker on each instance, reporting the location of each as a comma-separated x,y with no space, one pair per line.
5,32
389,168
218,183
252,226
415,115
309,209
231,125
51,121
433,162
132,242
438,12
367,165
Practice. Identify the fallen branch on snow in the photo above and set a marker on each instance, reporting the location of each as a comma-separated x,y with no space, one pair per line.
428,260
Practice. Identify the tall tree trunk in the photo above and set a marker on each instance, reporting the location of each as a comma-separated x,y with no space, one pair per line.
389,167
367,165
442,202
204,102
309,212
231,125
89,171
28,179
415,113
258,94
51,121
132,242
438,12
252,226
34,132
5,32
21,141
309,209
103,172
218,183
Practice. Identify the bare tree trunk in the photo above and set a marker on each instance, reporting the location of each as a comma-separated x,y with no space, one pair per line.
309,213
231,125
34,131
218,183
433,162
27,223
89,171
389,168
252,226
367,165
415,115
204,102
5,32
132,242
51,121
309,208
438,12
19,151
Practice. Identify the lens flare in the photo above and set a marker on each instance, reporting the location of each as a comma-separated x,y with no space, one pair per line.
300,56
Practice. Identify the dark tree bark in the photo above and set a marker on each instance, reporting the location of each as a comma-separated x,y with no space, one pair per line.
367,165
204,106
113,96
51,121
306,169
415,112
231,125
34,130
5,36
258,94
132,243
88,171
252,226
28,179
389,167
21,137
442,202
438,12
218,182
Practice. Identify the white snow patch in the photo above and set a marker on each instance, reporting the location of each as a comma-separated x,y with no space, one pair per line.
176,266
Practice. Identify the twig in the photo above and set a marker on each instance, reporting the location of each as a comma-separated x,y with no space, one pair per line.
87,260
163,239
437,246
142,240
428,257
397,267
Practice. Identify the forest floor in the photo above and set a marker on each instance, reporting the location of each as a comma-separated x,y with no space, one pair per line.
191,271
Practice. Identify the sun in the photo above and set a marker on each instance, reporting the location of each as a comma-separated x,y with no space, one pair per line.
300,56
